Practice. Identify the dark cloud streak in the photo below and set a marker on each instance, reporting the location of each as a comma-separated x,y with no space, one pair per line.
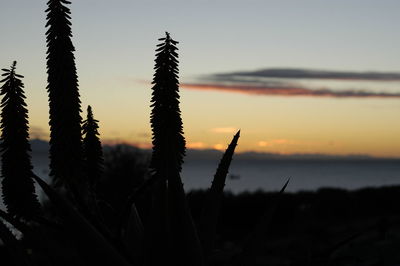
294,73
289,82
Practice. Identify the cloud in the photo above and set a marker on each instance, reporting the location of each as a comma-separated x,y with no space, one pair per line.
289,91
118,141
195,145
292,142
296,73
263,143
36,132
219,147
273,142
224,130
302,82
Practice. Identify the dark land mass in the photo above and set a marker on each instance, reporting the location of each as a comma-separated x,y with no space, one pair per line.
326,227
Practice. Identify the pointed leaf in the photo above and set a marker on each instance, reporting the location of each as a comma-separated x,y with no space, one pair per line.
213,199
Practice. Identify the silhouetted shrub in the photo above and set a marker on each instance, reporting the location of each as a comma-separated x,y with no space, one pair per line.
125,168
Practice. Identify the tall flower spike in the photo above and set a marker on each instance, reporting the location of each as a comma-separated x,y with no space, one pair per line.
65,120
167,158
18,188
166,122
92,150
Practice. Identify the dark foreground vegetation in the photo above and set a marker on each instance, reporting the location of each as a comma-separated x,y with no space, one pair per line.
114,209
326,227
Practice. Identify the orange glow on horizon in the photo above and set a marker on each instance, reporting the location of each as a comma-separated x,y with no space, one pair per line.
277,146
224,130
219,147
195,145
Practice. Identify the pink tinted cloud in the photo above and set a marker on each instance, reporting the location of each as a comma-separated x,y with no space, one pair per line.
288,91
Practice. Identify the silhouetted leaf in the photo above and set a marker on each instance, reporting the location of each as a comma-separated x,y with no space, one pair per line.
212,202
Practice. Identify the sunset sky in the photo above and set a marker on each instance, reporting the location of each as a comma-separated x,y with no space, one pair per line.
298,76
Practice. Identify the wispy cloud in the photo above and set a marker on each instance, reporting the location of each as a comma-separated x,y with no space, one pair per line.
117,141
224,130
196,145
273,142
290,91
292,142
36,132
296,73
219,147
293,82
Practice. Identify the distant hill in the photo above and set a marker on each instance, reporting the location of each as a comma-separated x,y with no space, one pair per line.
39,146
42,147
251,156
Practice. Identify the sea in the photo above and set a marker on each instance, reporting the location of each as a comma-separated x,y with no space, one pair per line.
303,175
249,173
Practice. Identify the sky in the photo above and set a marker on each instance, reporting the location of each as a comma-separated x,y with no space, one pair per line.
295,76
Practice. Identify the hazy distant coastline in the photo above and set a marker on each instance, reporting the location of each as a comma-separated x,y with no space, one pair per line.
41,147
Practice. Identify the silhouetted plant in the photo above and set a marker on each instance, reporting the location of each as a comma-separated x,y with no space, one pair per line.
166,163
166,122
65,120
18,189
92,150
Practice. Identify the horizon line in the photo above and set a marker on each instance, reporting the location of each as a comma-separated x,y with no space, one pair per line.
265,153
